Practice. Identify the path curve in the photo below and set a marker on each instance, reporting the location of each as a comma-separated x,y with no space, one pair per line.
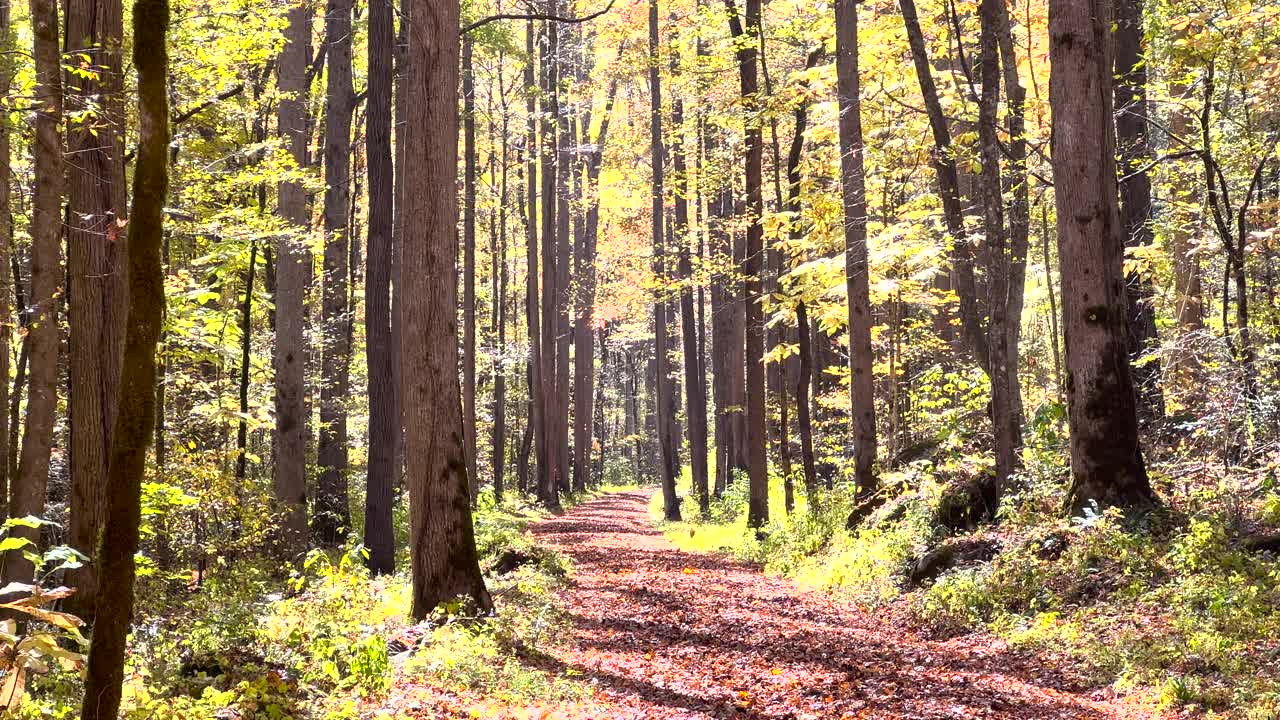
665,634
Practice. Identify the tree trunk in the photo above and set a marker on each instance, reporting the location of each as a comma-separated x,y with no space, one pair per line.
28,493
6,253
469,264
695,392
96,252
379,533
500,314
944,165
1106,462
755,435
548,461
857,270
537,394
132,433
442,540
293,273
332,518
1004,416
1135,198
246,354
664,395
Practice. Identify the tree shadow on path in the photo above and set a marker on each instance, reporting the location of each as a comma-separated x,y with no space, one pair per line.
668,634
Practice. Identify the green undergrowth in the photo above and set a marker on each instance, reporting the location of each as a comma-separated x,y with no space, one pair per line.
331,642
1168,605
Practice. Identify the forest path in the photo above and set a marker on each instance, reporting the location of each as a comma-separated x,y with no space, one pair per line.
669,634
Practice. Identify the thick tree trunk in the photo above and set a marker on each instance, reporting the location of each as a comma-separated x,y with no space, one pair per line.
1135,198
664,395
293,273
384,425
96,253
132,433
332,518
857,271
442,540
755,436
1106,462
27,497
469,264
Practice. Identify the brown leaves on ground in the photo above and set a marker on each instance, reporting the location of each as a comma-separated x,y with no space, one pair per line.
666,634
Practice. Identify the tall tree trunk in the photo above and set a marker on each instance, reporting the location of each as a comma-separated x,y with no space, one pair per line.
563,329
804,374
500,309
1106,462
379,533
728,385
755,435
96,253
1135,198
549,462
469,264
132,433
246,354
1004,418
332,517
857,270
695,391
442,539
665,395
27,496
6,253
537,392
293,273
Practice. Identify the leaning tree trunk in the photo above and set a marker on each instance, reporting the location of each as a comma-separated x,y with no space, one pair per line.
756,433
332,512
857,270
379,533
442,540
27,496
96,250
1106,462
136,417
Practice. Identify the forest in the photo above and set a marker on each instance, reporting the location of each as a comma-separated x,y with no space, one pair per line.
372,360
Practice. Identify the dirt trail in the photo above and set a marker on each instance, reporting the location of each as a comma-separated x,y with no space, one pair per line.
668,634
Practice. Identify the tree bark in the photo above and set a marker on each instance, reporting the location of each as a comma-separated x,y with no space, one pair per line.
537,392
27,497
96,253
6,253
857,270
442,539
246,354
755,435
549,461
332,519
664,395
469,264
1106,462
695,390
293,273
379,533
132,432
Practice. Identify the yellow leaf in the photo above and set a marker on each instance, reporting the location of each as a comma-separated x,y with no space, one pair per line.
688,571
